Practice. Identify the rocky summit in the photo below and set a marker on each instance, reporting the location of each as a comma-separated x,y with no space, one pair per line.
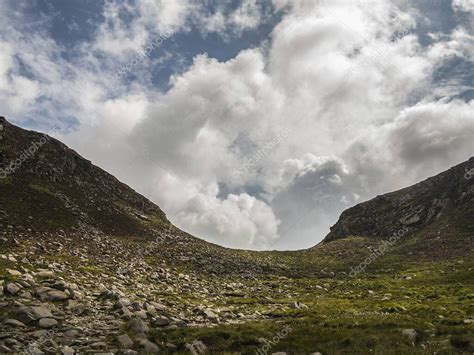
87,265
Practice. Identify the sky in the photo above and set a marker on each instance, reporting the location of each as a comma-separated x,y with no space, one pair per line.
254,123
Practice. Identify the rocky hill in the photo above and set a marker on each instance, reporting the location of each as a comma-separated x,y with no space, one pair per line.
414,208
47,186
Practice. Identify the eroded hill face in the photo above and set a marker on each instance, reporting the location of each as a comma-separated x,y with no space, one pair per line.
414,208
46,186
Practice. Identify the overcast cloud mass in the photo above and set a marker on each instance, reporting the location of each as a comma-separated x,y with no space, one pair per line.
252,124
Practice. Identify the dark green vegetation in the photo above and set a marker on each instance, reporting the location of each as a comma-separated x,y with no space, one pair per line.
58,212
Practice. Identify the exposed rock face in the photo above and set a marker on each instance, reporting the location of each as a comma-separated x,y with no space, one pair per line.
412,208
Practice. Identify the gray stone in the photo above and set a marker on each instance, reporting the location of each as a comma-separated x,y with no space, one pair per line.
13,272
67,350
72,333
14,323
38,334
209,314
48,322
57,296
44,274
98,345
26,295
137,326
124,341
148,347
140,314
161,321
11,289
30,314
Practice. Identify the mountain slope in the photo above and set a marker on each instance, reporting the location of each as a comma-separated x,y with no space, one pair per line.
451,193
47,186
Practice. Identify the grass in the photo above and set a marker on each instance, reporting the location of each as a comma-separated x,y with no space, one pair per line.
348,319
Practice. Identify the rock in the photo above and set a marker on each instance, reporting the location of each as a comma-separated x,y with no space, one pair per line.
60,285
150,308
127,352
122,302
410,334
66,350
148,347
34,350
72,333
31,314
298,305
160,321
38,334
4,349
137,326
26,295
14,323
141,314
124,341
13,272
125,313
47,322
197,347
44,274
57,296
98,345
171,346
11,289
209,314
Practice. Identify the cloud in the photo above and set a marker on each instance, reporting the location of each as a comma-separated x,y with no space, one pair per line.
431,135
463,5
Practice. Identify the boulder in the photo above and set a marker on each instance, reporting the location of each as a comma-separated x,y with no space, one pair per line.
57,295
160,321
48,322
31,314
13,272
11,289
14,323
124,341
138,326
148,347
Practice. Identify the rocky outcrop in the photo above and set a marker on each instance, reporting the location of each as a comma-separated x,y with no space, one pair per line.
410,209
